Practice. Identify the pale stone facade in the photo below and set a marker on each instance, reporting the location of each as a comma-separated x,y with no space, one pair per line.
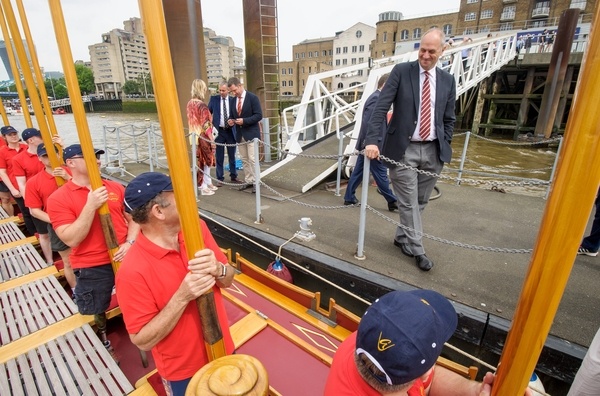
223,58
352,47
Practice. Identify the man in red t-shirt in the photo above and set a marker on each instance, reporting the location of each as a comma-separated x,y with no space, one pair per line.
396,346
157,286
26,165
9,187
39,188
73,213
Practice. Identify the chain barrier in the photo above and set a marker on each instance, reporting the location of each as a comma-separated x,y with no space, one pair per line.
496,141
508,170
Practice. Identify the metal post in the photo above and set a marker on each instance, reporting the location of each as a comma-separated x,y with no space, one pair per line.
363,210
135,146
195,163
150,148
259,218
560,142
463,157
105,145
266,139
340,137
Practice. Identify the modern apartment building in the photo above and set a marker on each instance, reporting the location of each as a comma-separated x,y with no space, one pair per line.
121,56
223,58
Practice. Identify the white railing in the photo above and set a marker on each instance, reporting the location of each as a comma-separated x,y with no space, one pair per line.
55,104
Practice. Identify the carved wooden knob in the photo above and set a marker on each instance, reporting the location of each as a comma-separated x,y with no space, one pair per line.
233,375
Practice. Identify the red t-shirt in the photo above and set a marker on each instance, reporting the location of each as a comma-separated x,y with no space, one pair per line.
147,279
39,188
345,380
64,207
27,164
6,156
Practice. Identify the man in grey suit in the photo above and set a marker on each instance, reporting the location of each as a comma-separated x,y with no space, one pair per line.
417,136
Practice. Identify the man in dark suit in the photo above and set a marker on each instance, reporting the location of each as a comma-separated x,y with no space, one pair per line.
417,136
378,170
246,115
220,106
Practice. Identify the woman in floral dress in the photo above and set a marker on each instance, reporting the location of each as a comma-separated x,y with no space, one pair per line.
200,123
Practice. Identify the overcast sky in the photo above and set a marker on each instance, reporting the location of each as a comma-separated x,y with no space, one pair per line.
86,20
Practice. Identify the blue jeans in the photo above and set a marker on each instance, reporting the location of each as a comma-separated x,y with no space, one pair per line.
379,172
225,136
176,388
592,241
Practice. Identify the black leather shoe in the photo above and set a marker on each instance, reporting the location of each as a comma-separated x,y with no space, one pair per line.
404,247
423,262
219,183
253,190
392,206
236,181
354,201
245,187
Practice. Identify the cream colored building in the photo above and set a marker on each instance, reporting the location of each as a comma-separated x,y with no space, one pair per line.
223,58
352,47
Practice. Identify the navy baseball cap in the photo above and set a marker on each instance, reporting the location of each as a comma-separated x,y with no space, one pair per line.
5,130
29,133
75,149
41,150
403,333
144,187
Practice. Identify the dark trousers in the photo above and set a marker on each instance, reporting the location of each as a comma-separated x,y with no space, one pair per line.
592,242
29,224
225,136
379,172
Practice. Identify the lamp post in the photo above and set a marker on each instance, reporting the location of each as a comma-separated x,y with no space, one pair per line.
144,78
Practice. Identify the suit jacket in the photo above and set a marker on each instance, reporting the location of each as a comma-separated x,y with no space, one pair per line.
366,117
402,89
214,105
252,115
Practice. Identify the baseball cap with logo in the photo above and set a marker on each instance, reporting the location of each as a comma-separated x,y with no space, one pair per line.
75,150
29,133
403,333
144,187
5,130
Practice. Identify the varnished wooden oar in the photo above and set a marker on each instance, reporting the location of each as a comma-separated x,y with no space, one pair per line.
3,114
83,130
171,124
15,69
34,97
41,83
565,218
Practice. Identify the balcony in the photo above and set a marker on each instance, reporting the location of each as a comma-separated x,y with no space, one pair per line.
507,16
540,12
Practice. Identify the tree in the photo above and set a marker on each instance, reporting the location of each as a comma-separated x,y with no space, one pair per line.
85,77
148,80
56,87
131,87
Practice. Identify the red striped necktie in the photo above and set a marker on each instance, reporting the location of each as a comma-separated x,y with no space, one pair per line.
425,115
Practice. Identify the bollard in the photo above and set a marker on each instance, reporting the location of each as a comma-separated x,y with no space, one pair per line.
463,158
363,210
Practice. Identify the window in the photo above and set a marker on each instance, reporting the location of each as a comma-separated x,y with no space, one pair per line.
309,69
290,71
353,61
506,26
385,37
337,62
283,71
578,4
290,83
354,48
361,48
310,54
470,16
324,52
345,50
302,69
338,50
330,52
417,33
358,34
360,73
468,31
361,59
383,53
297,55
284,83
302,82
340,85
508,12
404,35
471,1
487,14
344,62
302,56
447,29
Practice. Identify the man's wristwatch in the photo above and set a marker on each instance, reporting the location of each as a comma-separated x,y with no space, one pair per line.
223,271
131,241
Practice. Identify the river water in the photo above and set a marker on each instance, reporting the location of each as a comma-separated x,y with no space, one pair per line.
496,163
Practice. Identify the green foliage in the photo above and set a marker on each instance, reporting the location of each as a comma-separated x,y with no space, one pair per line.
56,88
139,107
85,77
131,87
145,78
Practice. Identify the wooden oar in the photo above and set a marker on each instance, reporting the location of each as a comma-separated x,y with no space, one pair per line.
30,83
171,124
35,64
83,130
565,218
15,69
3,114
